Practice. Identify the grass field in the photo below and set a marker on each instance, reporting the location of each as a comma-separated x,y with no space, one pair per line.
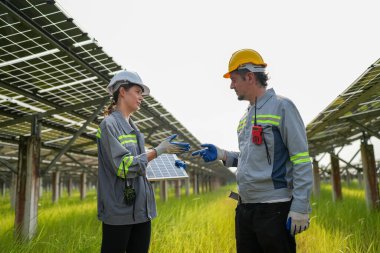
203,223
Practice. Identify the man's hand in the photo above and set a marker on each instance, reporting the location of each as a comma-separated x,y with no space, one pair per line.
169,147
210,153
297,222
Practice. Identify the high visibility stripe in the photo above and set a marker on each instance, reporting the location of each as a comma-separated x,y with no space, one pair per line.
99,133
268,116
302,157
241,126
128,141
299,155
305,160
131,136
267,119
266,122
124,166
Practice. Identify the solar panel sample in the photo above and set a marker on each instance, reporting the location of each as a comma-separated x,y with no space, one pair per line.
163,168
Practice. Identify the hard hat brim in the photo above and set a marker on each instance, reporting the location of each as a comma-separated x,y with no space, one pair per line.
227,75
146,90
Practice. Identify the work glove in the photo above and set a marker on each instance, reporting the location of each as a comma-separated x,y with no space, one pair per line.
180,164
169,147
210,153
297,222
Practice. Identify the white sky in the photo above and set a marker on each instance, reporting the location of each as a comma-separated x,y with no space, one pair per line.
314,51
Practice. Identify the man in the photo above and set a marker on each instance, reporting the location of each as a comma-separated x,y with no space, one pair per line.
273,166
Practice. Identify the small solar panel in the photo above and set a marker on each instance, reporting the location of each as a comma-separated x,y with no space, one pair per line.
163,167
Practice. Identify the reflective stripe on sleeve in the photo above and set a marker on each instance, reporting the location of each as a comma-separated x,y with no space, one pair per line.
99,133
124,166
242,124
302,157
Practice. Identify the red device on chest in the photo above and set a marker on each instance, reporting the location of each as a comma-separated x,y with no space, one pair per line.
257,130
257,135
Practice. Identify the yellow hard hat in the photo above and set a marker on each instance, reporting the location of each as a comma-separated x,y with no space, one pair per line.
244,56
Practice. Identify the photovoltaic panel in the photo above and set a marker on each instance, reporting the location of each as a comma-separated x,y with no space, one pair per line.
163,167
47,64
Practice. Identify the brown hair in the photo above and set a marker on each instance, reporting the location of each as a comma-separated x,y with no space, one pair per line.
111,107
262,77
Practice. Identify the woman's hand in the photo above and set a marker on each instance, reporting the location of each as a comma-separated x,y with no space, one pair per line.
167,146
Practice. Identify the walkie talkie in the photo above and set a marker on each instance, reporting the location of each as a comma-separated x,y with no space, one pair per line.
257,130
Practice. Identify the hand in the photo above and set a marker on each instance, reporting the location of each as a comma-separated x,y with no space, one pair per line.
169,147
210,153
297,222
180,164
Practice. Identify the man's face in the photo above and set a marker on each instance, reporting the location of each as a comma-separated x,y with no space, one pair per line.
240,85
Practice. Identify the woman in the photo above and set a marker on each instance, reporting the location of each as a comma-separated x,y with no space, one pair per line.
126,203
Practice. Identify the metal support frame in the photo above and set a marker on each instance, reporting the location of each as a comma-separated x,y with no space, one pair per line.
81,165
51,125
52,112
55,179
177,187
8,165
27,188
164,190
316,179
27,94
76,135
335,178
347,163
370,177
367,129
69,185
151,131
187,186
83,185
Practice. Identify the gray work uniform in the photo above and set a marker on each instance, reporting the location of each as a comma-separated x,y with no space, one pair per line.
121,153
280,170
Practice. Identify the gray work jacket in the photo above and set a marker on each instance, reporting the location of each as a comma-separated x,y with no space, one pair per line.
281,169
121,153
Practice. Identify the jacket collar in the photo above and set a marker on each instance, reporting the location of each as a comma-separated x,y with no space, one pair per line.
122,122
263,99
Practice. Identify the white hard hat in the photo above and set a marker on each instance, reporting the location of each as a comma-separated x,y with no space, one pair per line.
125,77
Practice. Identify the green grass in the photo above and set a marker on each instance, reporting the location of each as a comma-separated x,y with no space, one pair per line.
203,223
346,226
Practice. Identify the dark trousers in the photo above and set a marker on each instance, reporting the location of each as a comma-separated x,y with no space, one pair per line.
126,238
261,227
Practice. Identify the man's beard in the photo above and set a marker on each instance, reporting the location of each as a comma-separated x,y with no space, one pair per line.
241,97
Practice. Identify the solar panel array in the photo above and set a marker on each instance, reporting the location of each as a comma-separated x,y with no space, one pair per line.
354,111
163,167
47,64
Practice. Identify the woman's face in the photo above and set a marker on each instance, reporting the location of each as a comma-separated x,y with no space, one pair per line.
131,98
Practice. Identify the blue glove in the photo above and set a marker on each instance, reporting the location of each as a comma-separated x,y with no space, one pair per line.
210,153
180,164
